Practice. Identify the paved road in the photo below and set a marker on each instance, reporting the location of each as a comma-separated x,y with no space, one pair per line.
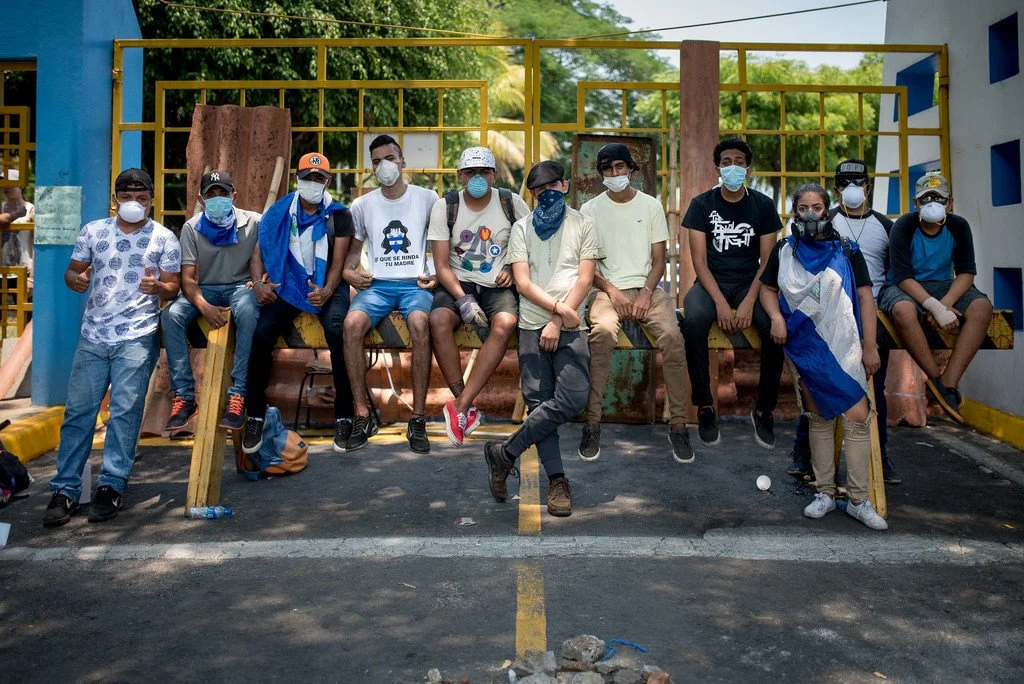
354,571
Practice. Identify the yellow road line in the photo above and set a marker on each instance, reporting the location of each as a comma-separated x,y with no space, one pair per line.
529,492
531,622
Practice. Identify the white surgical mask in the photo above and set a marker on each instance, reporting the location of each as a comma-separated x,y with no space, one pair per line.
933,212
311,191
131,211
853,196
387,172
616,183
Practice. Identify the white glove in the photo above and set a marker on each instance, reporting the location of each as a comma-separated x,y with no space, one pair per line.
939,312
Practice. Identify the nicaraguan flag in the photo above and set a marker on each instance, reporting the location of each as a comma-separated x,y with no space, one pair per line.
818,298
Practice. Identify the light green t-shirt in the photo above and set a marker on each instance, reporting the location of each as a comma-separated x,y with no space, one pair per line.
626,231
554,263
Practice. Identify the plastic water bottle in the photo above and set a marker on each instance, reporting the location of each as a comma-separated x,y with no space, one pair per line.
209,512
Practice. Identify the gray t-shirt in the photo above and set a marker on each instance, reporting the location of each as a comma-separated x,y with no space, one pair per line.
871,233
220,265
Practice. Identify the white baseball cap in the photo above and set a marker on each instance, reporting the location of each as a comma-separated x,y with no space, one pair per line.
477,158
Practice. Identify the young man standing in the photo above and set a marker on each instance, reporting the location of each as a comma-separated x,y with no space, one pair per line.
732,231
392,221
303,240
468,235
132,264
854,220
553,253
216,247
932,271
633,233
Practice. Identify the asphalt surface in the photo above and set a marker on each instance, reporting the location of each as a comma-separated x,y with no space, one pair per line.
355,570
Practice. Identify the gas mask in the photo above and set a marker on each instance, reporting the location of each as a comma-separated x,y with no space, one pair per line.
809,227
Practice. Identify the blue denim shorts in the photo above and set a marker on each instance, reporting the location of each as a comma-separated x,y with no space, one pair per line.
385,296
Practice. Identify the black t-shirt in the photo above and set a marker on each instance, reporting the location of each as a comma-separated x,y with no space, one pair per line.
770,274
732,230
339,224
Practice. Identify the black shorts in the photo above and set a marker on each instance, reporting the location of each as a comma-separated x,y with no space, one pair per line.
492,300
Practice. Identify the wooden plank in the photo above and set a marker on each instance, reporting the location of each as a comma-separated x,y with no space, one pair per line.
207,465
876,483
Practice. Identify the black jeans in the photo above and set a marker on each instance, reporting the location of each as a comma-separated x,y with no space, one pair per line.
276,320
699,315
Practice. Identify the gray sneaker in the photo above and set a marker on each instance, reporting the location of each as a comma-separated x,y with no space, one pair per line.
590,443
867,515
682,452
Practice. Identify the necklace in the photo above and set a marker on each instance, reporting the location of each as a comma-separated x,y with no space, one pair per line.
863,224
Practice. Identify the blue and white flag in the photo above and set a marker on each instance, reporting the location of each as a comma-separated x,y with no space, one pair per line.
818,299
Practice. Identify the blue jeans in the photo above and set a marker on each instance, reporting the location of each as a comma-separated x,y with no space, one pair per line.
124,368
176,317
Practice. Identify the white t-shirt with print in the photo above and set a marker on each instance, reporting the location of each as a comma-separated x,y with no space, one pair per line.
478,242
117,310
395,231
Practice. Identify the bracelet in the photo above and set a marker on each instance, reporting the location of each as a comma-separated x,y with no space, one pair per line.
649,290
554,309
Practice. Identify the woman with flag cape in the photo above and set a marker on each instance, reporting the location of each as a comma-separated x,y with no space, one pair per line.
817,292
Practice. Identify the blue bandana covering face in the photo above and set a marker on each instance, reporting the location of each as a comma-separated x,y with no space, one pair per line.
550,211
217,222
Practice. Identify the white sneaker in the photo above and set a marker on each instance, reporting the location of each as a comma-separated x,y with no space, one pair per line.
867,515
822,504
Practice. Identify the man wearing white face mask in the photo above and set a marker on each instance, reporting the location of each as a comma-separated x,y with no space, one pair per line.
392,221
932,275
732,233
633,233
131,263
216,246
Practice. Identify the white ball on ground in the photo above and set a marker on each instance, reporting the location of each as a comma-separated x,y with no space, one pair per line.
764,483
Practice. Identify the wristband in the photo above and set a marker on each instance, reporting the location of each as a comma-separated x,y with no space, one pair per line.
554,309
649,290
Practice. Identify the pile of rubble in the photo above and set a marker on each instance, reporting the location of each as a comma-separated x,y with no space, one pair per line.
584,660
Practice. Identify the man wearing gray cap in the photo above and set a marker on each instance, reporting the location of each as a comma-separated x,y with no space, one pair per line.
216,248
633,232
931,275
468,233
553,252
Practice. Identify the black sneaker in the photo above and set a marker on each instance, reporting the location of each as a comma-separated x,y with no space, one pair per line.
889,474
948,397
800,468
416,433
105,506
359,435
182,411
59,510
764,428
499,467
233,414
590,442
679,438
707,427
252,440
342,432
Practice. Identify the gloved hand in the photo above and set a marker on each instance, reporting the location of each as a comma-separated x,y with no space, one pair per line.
943,316
470,311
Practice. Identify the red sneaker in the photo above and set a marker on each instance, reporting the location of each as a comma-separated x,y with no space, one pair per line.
472,420
454,423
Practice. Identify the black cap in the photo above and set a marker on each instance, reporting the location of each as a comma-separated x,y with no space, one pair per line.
216,178
543,173
852,169
613,152
133,180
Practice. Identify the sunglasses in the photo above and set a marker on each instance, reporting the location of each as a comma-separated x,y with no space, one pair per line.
860,182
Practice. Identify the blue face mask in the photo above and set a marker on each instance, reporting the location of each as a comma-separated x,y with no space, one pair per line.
547,217
219,210
733,177
477,186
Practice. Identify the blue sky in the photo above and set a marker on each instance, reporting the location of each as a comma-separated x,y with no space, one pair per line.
861,24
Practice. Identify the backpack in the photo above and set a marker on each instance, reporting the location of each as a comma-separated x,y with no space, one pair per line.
451,199
14,476
283,451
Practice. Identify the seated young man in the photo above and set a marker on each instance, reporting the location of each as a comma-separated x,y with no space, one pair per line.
931,252
633,232
553,253
221,238
469,234
392,221
303,240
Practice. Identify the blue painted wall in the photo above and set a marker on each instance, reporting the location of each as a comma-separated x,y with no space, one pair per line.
72,44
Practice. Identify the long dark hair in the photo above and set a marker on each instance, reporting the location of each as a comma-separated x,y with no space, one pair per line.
811,187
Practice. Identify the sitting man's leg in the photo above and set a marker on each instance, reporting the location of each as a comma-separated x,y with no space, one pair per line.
415,303
602,338
274,321
444,319
661,322
245,313
772,359
368,308
699,315
977,311
174,321
332,318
